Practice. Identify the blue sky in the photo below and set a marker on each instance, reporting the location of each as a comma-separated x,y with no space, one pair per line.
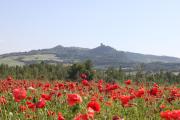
142,26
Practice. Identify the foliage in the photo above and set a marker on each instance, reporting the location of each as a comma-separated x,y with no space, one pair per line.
43,71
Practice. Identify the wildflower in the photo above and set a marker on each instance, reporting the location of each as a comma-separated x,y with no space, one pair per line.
140,92
31,105
41,103
125,99
127,82
59,94
46,97
22,108
19,94
162,106
83,76
85,82
171,115
50,113
73,99
72,86
94,105
90,112
112,87
3,100
9,78
81,117
154,91
60,117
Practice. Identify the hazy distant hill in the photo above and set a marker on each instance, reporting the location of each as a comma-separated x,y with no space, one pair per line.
101,56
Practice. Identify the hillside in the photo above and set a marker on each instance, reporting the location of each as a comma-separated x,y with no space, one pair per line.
101,56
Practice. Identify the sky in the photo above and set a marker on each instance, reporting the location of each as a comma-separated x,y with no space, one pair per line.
141,26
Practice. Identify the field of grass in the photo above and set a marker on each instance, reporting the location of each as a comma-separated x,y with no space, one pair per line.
87,100
21,60
11,61
41,57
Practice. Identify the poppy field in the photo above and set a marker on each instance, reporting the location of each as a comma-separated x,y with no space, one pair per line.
88,100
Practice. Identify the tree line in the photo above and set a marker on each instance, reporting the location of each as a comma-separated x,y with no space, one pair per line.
43,71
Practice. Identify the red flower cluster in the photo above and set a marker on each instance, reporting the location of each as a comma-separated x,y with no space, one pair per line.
171,115
125,99
41,103
73,99
66,96
19,94
88,116
140,92
46,97
94,105
81,117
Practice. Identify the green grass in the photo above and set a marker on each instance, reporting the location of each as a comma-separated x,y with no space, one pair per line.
11,61
20,60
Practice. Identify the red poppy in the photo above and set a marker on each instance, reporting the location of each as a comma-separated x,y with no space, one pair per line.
31,105
50,113
47,85
85,82
19,94
90,112
41,103
9,78
60,116
171,115
72,86
59,94
81,117
73,99
100,81
3,100
94,105
125,99
22,108
61,85
162,106
127,82
140,92
46,97
174,92
83,76
112,87
154,91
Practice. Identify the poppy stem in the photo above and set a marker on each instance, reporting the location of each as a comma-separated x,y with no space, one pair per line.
124,111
